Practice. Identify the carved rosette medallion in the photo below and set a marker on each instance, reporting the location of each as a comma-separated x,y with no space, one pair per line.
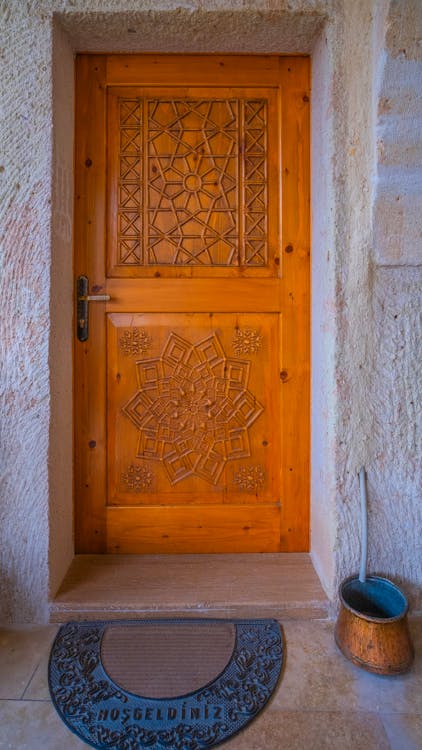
250,478
193,409
137,478
246,341
135,341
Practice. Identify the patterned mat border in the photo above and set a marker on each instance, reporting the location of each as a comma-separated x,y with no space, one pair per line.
106,716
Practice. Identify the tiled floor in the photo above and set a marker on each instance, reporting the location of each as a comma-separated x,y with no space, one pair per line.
322,703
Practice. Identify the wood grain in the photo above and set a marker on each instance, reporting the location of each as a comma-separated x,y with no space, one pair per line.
89,377
186,404
193,186
295,363
205,295
209,529
156,413
210,70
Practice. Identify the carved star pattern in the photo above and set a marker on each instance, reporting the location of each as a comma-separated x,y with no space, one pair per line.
179,198
192,152
193,409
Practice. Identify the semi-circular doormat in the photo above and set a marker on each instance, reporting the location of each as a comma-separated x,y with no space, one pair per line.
163,684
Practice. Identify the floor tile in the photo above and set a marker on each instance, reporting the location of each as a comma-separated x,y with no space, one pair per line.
21,650
37,689
30,725
292,730
318,677
404,731
322,702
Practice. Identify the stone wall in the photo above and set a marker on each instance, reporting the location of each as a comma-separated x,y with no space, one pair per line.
396,311
366,264
25,285
376,315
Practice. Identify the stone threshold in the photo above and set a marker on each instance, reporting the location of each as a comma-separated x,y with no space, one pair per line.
283,586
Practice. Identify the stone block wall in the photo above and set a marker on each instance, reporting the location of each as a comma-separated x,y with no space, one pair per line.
366,265
396,311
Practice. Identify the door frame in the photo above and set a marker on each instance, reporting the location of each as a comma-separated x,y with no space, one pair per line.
90,157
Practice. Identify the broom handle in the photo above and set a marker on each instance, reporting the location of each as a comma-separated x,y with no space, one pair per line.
364,527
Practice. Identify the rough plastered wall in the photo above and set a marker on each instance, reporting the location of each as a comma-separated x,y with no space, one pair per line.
363,277
396,402
25,193
367,335
61,547
345,55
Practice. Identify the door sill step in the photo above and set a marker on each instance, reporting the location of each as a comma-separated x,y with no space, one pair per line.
112,587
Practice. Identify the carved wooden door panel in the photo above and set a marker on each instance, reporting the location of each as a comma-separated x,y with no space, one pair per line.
191,390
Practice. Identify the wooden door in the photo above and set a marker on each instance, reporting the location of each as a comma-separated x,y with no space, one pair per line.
192,389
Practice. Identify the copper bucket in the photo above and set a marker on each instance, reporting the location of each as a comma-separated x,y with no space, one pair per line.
372,629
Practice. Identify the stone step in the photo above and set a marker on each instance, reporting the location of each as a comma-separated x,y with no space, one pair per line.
230,585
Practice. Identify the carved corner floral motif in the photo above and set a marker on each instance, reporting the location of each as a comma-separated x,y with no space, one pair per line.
137,478
135,341
250,478
246,341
